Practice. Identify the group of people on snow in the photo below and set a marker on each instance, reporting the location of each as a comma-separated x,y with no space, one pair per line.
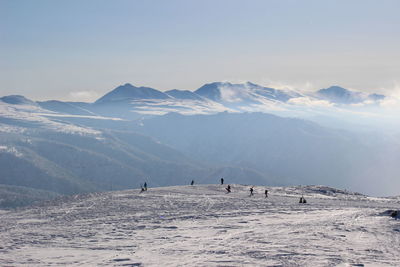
228,190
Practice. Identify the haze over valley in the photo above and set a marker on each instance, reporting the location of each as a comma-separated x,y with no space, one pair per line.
245,132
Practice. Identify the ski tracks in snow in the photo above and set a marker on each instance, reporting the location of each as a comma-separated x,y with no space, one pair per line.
203,226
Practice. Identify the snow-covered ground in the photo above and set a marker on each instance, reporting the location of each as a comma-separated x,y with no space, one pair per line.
201,225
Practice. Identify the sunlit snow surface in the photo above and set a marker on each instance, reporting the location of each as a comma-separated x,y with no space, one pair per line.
201,225
37,117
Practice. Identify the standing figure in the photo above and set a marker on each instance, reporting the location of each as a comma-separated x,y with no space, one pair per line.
145,186
266,193
192,183
222,181
228,189
251,191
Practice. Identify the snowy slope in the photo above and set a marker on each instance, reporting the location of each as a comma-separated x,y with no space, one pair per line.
248,92
201,225
16,117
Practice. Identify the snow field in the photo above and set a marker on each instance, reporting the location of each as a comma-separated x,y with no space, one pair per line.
201,225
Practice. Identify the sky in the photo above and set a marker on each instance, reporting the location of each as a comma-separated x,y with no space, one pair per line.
79,50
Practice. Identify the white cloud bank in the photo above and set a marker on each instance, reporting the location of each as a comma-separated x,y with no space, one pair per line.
84,96
309,102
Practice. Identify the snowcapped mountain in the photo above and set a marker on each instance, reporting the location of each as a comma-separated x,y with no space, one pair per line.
208,99
129,92
250,93
132,102
17,100
211,98
340,95
127,100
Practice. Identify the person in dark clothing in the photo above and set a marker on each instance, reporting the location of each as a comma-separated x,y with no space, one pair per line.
222,181
251,191
266,193
192,183
228,189
302,200
145,186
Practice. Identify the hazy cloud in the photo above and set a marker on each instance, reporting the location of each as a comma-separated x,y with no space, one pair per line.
85,96
392,99
303,87
390,102
309,102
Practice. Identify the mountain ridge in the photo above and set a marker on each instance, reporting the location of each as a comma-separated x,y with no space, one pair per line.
340,95
210,98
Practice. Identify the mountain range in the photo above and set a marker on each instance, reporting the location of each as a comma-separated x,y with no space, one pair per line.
127,100
136,134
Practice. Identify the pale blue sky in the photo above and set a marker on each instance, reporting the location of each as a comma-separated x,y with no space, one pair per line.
82,49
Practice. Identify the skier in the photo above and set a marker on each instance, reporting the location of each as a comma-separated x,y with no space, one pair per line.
192,183
145,186
228,189
251,191
266,193
222,181
141,188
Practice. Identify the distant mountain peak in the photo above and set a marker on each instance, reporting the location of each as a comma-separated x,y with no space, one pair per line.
17,100
340,95
210,91
335,90
128,92
242,93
